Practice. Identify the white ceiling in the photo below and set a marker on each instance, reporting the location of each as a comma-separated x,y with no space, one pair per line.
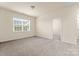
41,7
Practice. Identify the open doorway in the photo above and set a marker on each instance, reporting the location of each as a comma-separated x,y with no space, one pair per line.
56,28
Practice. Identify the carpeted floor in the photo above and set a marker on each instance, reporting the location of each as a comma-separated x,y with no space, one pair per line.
37,46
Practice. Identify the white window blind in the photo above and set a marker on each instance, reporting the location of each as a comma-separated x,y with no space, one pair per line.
21,25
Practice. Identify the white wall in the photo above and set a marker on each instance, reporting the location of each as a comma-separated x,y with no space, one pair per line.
6,26
78,22
67,15
44,23
43,26
69,25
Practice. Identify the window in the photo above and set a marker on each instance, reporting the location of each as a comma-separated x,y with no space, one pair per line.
21,25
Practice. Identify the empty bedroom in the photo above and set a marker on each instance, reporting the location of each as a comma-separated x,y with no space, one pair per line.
39,29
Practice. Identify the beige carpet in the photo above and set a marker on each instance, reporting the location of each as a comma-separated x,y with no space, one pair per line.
37,46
